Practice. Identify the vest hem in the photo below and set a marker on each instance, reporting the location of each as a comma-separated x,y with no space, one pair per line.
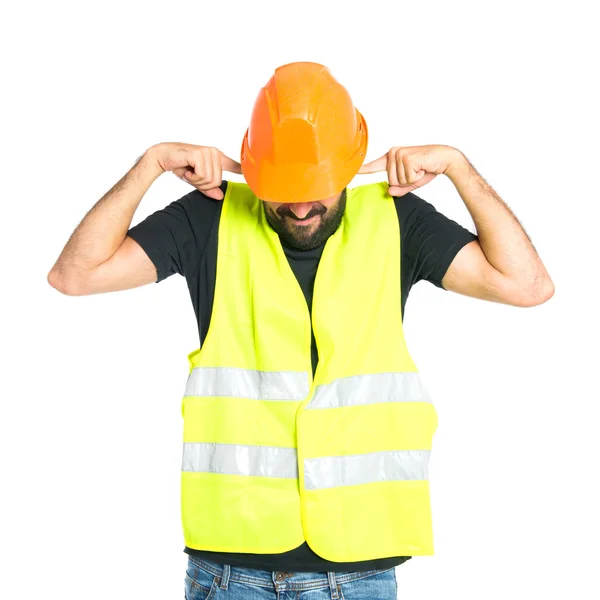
246,550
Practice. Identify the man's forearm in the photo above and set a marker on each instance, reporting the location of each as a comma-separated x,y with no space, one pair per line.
105,226
502,238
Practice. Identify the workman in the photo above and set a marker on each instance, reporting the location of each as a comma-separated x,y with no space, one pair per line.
307,430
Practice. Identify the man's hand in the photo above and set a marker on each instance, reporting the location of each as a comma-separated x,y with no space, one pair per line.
412,167
200,166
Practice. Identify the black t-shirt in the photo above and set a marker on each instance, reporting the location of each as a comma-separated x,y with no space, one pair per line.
182,238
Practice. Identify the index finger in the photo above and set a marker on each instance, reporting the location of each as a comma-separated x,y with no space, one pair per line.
228,164
379,164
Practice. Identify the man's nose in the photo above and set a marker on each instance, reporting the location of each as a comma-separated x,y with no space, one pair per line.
301,209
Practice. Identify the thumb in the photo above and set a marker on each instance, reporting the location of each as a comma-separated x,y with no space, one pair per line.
214,193
379,164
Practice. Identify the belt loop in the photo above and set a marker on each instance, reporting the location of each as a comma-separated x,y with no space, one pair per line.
333,585
225,577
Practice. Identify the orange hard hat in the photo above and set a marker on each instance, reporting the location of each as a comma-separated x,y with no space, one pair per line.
306,140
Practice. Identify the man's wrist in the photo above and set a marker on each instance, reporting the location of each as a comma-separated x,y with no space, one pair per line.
149,165
458,165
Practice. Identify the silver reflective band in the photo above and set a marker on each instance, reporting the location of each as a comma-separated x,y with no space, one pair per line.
333,471
237,459
247,383
369,389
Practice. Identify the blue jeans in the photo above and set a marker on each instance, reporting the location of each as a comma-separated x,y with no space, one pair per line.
205,580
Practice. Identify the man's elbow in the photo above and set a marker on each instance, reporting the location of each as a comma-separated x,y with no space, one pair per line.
67,283
540,293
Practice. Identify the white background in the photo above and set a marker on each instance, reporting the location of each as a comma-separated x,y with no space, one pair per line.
90,422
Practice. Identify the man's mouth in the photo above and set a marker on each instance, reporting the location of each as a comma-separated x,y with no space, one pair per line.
304,220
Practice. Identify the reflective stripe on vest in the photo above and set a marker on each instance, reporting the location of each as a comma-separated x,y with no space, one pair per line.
368,389
247,383
289,385
332,471
237,459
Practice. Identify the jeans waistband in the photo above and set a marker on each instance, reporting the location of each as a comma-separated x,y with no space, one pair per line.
280,579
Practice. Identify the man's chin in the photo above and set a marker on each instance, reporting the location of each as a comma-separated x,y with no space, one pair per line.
303,239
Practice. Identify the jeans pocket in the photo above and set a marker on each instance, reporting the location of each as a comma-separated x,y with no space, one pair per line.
379,586
199,584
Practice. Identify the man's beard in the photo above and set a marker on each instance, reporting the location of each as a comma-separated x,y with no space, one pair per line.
297,236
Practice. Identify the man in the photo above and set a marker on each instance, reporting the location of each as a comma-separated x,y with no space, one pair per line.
307,430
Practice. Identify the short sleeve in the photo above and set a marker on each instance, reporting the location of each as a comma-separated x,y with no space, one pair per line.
429,239
174,237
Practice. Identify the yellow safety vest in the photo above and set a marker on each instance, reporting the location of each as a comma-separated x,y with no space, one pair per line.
273,457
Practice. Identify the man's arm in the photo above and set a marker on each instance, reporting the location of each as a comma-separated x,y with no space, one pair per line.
502,265
98,256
